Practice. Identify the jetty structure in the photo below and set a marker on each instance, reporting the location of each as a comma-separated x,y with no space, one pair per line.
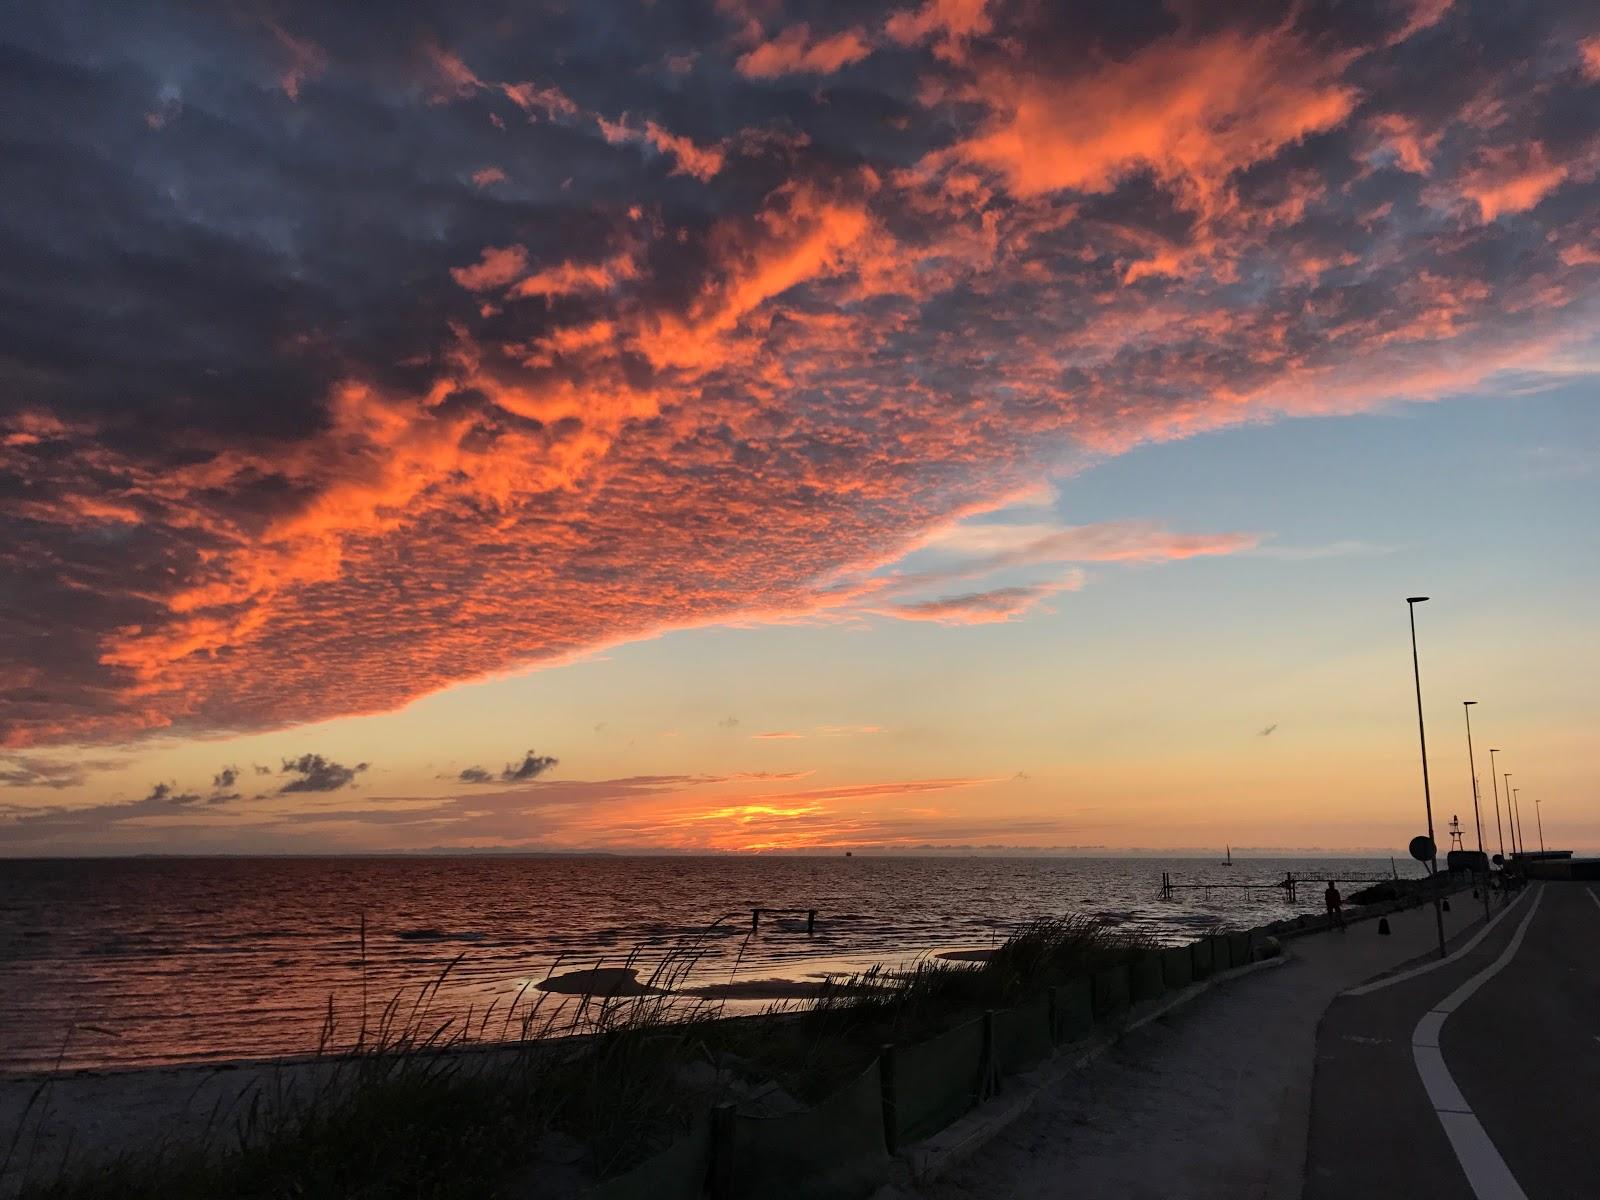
1289,885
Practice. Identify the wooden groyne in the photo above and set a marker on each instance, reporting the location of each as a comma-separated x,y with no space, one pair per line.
1289,885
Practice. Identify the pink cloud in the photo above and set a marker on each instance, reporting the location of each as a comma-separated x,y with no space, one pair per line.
1589,56
975,608
452,78
1511,179
534,99
306,60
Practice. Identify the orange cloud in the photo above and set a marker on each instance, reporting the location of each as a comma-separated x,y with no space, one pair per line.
1191,109
953,20
498,266
702,162
570,278
689,158
793,52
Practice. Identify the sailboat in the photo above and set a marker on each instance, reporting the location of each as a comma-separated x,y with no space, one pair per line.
1228,861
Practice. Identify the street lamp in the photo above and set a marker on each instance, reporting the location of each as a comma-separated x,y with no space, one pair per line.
1540,819
1472,765
1495,779
1427,796
1511,812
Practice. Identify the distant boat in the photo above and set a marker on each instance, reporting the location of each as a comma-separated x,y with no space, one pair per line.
1228,861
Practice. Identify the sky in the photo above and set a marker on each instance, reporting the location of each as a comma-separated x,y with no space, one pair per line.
790,427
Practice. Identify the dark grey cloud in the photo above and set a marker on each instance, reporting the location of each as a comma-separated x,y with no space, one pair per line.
313,773
33,771
531,767
523,813
163,794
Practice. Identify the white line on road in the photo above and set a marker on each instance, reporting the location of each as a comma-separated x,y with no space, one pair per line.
1465,948
1486,1171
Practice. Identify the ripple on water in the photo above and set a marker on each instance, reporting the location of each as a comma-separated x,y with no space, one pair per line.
196,959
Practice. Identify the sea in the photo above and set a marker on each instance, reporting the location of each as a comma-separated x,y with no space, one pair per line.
124,963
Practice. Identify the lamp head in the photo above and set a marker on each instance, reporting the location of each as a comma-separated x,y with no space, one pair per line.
1415,599
1465,703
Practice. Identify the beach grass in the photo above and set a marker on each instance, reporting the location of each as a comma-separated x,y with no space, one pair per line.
554,1090
883,1005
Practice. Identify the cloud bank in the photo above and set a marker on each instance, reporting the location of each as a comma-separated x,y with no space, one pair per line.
350,355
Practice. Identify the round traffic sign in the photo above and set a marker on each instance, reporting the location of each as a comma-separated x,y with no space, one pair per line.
1422,848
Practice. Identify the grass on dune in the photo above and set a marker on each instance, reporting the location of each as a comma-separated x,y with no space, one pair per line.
935,993
420,1105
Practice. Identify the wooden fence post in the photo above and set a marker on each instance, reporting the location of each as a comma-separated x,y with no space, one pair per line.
989,1071
891,1116
722,1152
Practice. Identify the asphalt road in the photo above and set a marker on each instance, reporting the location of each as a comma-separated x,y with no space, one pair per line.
1479,1077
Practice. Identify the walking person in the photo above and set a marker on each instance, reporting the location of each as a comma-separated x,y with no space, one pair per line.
1335,903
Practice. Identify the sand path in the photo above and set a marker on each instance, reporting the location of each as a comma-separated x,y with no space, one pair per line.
1211,1101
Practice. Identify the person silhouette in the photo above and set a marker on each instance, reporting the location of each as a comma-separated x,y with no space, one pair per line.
1335,903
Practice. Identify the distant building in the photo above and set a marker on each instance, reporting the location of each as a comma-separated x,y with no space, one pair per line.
1466,860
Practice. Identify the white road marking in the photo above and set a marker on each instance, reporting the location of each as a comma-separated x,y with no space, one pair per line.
1593,897
1465,948
1486,1171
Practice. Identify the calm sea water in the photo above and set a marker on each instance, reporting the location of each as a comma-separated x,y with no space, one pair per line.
138,961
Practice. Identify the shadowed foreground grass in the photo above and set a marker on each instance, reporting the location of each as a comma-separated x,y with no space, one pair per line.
556,1092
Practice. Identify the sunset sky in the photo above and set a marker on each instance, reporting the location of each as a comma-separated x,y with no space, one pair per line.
780,426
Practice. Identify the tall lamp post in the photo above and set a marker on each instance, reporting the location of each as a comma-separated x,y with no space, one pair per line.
1495,779
1472,766
1537,816
1511,812
1427,795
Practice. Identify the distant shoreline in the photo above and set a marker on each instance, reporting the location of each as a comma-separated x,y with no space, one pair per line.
1181,854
